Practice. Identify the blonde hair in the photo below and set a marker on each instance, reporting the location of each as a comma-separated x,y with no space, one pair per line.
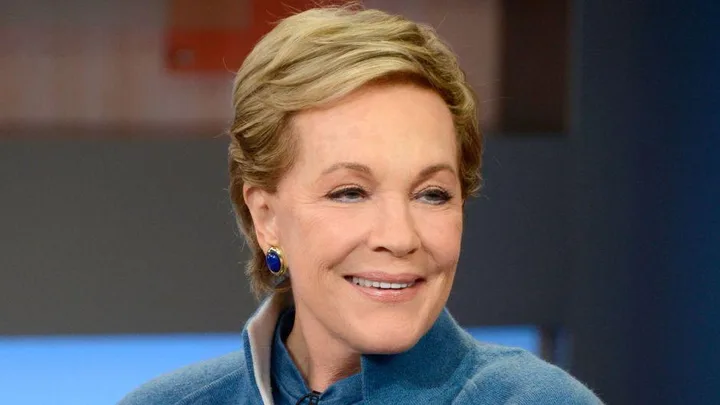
319,56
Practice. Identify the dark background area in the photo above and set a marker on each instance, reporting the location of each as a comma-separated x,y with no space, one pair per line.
607,233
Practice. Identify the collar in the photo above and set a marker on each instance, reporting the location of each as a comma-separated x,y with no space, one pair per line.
289,385
257,342
428,369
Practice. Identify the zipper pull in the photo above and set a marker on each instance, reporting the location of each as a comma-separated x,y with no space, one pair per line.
313,397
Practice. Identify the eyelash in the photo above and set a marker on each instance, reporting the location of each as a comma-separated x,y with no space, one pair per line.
344,191
442,195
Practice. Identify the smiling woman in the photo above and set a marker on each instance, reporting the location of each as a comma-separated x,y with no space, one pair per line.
353,149
368,197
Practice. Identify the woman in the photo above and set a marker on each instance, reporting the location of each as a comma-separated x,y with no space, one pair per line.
353,148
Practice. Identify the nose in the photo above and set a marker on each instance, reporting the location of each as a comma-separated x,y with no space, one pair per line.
394,229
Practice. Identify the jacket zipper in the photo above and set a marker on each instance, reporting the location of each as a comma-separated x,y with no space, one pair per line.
313,397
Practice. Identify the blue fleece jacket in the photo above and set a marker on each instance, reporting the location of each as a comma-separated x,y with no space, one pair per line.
447,366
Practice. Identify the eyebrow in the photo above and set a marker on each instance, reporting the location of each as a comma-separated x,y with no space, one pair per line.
359,167
430,170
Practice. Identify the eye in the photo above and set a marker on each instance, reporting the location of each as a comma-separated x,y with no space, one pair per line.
434,196
350,194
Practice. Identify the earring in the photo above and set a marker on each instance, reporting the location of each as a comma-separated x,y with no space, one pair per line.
275,262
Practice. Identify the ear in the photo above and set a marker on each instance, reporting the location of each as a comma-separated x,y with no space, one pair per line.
260,204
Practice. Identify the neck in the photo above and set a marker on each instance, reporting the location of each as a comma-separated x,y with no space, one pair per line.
321,359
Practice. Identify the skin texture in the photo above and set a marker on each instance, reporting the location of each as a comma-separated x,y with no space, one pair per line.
374,189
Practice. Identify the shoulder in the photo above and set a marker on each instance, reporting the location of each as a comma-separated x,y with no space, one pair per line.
515,376
210,381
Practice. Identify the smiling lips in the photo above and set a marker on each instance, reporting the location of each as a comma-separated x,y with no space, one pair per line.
386,287
363,282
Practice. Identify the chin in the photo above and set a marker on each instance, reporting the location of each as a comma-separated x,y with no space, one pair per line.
391,340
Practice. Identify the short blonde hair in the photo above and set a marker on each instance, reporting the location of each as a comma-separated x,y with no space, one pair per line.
319,56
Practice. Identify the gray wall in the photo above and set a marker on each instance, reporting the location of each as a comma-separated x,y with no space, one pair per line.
117,235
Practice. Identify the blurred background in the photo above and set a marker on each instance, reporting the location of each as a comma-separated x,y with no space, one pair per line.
595,243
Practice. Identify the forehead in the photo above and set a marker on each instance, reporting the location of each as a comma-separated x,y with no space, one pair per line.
395,120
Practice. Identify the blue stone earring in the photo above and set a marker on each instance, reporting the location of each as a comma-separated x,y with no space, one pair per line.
275,262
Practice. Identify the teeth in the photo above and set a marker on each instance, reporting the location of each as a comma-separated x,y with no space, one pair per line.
380,284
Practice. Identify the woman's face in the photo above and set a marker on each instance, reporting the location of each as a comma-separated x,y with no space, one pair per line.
370,216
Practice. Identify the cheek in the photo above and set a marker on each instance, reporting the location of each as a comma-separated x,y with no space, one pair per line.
321,237
441,234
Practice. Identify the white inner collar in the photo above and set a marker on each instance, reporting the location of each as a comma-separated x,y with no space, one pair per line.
261,328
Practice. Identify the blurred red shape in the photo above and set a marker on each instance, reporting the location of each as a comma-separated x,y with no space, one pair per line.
216,35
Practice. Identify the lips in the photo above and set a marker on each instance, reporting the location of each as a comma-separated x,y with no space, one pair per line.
388,288
380,277
363,282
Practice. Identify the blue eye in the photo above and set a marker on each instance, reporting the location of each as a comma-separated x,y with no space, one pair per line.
434,196
351,194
